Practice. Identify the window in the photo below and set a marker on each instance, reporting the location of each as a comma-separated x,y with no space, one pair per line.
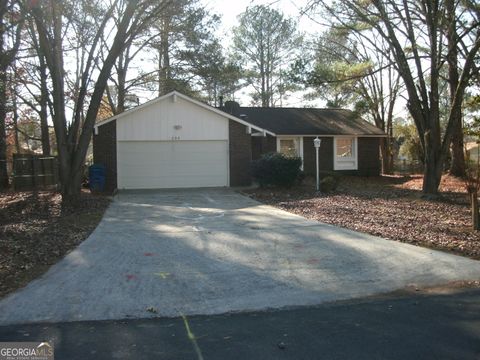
345,147
288,147
345,153
291,146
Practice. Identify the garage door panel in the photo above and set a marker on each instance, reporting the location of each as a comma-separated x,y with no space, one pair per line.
170,164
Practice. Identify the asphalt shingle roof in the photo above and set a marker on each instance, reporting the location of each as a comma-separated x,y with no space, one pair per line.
308,121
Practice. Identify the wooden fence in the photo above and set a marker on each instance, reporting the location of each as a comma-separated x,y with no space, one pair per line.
34,172
407,167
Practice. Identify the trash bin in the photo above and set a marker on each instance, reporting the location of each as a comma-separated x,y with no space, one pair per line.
96,178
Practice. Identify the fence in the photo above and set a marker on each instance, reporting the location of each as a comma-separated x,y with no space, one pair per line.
34,172
407,167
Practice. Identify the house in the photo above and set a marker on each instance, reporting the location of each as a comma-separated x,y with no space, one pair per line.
349,143
175,141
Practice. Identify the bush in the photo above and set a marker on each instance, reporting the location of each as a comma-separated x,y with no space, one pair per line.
328,184
275,169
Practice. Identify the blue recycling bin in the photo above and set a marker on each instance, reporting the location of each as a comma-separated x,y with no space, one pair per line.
96,178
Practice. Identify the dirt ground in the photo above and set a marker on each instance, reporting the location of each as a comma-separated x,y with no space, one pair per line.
35,233
390,207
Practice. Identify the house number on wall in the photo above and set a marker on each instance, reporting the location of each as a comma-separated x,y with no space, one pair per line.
175,137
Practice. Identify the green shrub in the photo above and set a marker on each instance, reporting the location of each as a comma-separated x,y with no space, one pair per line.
328,184
275,169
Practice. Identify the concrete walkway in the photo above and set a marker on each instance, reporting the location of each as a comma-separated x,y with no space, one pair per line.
167,253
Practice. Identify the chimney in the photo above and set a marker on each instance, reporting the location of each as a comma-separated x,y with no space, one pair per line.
232,107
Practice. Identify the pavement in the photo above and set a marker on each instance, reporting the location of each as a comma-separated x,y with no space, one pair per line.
444,325
213,251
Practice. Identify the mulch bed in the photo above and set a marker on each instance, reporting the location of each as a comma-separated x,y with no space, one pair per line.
35,233
390,207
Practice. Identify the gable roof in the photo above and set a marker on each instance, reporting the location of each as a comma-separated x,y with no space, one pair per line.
309,121
187,98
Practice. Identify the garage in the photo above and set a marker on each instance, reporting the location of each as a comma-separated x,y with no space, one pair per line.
172,164
174,141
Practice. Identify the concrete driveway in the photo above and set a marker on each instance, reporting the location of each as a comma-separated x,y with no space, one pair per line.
167,253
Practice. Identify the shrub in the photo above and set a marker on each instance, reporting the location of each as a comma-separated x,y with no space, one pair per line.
275,169
328,184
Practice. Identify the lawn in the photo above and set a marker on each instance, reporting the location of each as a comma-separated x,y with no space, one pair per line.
390,207
35,233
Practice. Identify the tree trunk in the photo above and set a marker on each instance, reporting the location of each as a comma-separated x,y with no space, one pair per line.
164,54
15,121
431,180
43,107
433,168
3,133
384,152
121,92
474,204
72,188
457,167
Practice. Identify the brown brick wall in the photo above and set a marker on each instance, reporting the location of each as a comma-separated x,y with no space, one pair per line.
105,153
240,154
325,155
369,156
263,145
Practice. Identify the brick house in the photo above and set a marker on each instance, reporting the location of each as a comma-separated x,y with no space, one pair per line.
176,141
350,145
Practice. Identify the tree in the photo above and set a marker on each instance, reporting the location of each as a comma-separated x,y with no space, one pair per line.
80,25
347,72
330,70
214,74
11,23
30,83
265,42
414,32
184,29
457,166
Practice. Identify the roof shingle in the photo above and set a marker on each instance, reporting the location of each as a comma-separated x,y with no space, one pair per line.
308,121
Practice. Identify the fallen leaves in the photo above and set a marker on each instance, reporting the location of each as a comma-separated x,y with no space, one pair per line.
390,207
35,233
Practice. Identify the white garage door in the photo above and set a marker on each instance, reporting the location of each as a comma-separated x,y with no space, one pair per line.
172,164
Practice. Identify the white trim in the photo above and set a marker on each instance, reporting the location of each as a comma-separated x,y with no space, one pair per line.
340,163
228,162
185,97
301,151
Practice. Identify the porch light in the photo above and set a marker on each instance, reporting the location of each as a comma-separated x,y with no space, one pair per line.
317,142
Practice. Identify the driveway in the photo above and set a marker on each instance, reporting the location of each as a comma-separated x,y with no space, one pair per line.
168,253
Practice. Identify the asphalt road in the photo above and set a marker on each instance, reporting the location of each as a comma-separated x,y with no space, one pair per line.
213,251
416,326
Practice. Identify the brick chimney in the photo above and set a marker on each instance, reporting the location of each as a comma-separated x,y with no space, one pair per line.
232,107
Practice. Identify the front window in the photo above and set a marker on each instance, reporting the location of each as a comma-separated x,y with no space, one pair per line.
345,147
288,147
345,153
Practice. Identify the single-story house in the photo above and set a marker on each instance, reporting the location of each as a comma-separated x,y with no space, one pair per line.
175,141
